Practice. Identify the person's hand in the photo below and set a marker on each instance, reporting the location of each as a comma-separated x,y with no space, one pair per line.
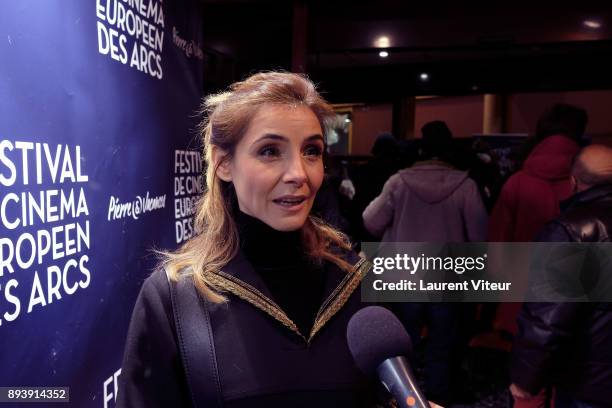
519,393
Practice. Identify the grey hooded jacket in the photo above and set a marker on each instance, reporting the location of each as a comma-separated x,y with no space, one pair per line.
428,202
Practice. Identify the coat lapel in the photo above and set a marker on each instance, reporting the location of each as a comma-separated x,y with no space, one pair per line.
239,278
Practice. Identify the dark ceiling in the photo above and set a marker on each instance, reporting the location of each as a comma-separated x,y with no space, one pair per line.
462,48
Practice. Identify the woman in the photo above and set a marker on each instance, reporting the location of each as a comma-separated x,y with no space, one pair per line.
277,286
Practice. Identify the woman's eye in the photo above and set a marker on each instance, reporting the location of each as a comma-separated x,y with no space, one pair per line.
313,150
269,151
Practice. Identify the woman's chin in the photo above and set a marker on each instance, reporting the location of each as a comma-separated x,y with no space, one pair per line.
287,224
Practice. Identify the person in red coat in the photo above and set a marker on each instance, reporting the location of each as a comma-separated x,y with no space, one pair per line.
530,198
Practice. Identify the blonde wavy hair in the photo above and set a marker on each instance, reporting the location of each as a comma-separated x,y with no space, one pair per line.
226,117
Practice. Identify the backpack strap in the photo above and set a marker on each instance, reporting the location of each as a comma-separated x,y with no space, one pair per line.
194,331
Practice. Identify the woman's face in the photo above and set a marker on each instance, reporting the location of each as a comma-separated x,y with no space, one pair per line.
277,167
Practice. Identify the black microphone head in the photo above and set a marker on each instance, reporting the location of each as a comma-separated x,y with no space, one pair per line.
374,334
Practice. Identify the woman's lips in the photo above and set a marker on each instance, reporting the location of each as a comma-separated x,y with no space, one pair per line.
291,203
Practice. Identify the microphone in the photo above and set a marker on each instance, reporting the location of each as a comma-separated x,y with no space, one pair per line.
379,345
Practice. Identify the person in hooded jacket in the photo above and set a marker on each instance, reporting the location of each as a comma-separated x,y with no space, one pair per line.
431,201
531,197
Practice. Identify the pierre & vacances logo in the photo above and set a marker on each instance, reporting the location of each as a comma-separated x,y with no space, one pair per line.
134,208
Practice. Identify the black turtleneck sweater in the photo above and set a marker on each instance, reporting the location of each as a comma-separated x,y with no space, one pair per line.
295,282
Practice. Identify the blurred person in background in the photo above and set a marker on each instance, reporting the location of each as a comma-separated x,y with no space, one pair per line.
369,179
569,345
482,164
531,197
431,201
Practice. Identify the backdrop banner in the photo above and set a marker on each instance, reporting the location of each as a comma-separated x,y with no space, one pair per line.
98,166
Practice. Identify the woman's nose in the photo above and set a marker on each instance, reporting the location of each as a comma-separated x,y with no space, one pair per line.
295,171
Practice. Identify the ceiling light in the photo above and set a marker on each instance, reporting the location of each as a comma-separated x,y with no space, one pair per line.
382,42
424,76
383,54
592,24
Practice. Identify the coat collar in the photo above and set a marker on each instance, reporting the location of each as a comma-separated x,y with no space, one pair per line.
589,195
240,279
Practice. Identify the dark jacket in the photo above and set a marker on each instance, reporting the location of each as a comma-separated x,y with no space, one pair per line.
263,359
569,345
369,179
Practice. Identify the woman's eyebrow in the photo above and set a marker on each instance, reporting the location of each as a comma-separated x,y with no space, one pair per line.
282,138
273,137
315,137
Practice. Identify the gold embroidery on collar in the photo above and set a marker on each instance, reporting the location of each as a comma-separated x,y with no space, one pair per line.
340,295
243,290
330,307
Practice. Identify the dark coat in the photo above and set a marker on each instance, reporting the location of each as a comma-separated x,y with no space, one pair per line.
570,344
263,360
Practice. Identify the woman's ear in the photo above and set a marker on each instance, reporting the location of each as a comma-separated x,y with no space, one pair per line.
221,162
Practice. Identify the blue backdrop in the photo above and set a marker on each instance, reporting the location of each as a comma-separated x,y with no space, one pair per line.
97,133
